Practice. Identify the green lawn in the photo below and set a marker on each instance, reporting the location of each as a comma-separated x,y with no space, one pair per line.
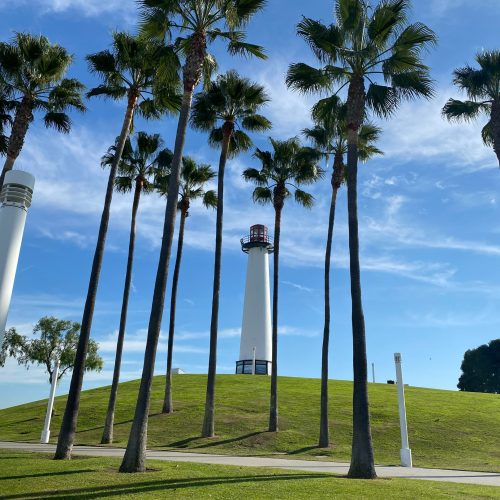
30,475
447,429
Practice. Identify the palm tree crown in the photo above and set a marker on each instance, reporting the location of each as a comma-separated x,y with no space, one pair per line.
200,23
32,78
482,87
378,49
194,177
329,136
137,69
283,170
141,164
229,105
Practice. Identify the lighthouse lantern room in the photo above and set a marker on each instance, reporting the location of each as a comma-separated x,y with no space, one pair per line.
255,345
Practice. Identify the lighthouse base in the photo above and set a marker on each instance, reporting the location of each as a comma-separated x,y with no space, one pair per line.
245,367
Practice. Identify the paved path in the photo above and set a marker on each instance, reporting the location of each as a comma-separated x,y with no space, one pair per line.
455,476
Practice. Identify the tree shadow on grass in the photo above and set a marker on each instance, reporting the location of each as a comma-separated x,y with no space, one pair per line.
43,474
214,443
116,490
303,450
227,441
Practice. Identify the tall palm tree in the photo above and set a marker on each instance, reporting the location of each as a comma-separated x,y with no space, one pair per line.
198,23
130,70
374,48
194,177
137,170
482,87
229,106
329,137
32,72
283,170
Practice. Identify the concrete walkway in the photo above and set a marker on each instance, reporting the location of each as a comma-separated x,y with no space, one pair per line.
455,476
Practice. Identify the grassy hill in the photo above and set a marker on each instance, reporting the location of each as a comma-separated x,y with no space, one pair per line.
447,429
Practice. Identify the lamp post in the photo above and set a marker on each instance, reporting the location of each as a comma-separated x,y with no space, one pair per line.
15,199
44,439
405,452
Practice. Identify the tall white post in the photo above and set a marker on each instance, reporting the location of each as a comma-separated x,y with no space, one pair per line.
44,439
15,199
405,452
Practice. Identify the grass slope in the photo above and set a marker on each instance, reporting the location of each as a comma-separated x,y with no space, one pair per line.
24,475
447,429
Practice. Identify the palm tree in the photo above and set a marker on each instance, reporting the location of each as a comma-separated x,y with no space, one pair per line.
129,70
329,137
7,105
374,47
198,23
192,187
482,87
32,73
283,170
225,109
136,170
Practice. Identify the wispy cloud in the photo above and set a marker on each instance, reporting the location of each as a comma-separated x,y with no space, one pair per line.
298,286
124,9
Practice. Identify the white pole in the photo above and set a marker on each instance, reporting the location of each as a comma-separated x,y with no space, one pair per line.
373,372
253,362
44,439
405,452
15,199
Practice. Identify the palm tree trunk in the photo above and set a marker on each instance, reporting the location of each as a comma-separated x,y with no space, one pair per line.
208,428
168,406
273,404
134,459
68,426
324,439
107,435
495,127
22,120
362,462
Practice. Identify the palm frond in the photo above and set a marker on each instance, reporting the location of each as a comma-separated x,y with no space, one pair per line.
456,110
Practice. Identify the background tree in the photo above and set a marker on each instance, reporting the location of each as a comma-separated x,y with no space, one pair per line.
136,171
133,70
194,177
481,369
198,23
482,87
283,170
57,341
374,48
32,72
229,106
329,137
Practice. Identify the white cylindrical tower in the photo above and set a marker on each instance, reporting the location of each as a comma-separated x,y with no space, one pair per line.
255,345
15,199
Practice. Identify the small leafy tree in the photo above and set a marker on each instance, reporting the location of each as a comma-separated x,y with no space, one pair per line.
57,340
481,369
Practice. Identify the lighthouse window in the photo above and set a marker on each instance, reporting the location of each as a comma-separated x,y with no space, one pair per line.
261,367
245,367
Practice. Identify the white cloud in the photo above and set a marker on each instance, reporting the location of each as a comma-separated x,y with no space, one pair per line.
298,286
124,9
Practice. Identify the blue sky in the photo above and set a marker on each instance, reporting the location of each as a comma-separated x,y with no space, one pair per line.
429,217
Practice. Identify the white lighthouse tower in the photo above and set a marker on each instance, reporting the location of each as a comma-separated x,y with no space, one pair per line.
255,346
15,199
